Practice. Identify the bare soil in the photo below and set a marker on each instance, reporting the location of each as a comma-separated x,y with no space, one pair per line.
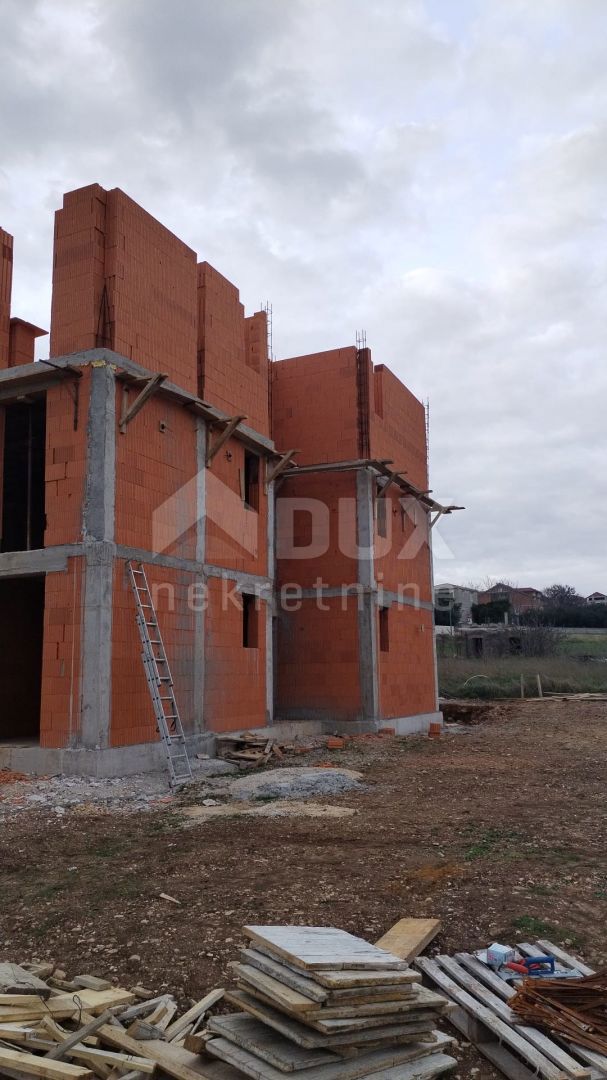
499,830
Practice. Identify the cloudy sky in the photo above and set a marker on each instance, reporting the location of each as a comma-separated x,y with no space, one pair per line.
430,171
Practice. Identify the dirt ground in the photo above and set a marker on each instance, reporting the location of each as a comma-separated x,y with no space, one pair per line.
498,830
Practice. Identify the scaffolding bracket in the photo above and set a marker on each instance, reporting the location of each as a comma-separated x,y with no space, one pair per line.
228,430
273,472
73,382
129,413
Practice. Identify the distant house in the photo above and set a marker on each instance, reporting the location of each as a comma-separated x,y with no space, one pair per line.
445,596
596,598
520,600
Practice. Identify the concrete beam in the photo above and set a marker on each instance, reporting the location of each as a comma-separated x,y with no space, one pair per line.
39,561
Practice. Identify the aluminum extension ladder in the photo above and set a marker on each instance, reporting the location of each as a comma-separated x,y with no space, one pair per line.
159,678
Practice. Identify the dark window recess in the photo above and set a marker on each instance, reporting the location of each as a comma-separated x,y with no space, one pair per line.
384,629
251,481
23,518
380,510
250,621
21,634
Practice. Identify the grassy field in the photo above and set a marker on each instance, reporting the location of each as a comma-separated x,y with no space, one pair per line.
501,677
585,644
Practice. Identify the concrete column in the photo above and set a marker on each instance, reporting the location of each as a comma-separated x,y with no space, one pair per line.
100,489
99,549
367,601
269,627
200,615
434,657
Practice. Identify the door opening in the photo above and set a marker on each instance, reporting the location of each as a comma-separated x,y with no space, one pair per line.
21,634
23,521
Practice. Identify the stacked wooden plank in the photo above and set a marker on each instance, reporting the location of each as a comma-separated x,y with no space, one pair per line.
326,1005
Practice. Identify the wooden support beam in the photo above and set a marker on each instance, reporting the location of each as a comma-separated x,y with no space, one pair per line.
274,471
130,412
227,432
391,480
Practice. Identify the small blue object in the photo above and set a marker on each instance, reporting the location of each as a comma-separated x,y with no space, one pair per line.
535,961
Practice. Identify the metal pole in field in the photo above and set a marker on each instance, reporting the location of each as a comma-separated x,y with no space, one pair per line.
522,686
539,686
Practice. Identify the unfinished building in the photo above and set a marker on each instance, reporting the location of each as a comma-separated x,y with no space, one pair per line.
280,509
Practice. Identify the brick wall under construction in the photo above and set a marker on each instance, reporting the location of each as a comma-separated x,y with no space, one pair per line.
181,485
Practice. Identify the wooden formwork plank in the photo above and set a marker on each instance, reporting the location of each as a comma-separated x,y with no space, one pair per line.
409,937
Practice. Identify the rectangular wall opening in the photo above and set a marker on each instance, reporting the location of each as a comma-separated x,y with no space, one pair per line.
250,621
21,635
251,481
24,442
384,629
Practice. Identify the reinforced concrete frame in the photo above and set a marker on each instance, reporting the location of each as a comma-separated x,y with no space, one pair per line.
90,753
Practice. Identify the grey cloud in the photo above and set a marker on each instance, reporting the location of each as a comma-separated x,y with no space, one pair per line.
431,172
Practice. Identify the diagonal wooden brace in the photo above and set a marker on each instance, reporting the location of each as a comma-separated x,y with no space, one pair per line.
228,430
129,413
272,472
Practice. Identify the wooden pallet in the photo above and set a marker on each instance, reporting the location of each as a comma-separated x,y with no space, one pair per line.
483,1015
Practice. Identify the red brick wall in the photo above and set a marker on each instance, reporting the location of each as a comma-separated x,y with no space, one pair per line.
236,537
406,672
331,525
314,406
60,706
66,461
235,680
22,342
6,281
156,467
233,363
398,426
318,659
133,718
403,556
124,281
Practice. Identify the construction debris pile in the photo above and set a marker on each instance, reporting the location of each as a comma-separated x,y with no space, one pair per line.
89,1028
321,1002
250,751
573,1008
